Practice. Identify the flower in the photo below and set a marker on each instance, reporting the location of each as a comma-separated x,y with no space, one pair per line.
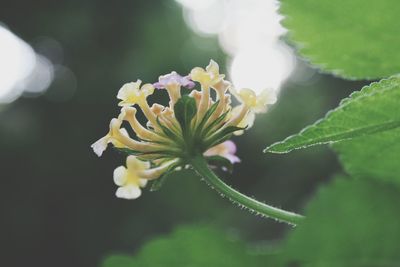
194,124
128,179
131,93
173,79
172,82
252,104
226,150
111,137
207,77
257,103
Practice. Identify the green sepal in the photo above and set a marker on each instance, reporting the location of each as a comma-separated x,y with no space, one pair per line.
208,114
206,131
185,109
152,141
169,133
231,129
127,151
222,135
221,162
163,153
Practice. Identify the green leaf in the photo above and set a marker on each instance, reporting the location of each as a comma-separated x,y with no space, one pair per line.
185,109
350,223
355,39
376,156
194,246
374,109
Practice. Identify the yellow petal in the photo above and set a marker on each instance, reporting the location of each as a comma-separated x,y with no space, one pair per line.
200,75
248,97
213,68
127,89
135,165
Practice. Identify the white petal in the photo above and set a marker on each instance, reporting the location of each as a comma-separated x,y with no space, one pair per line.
100,145
121,193
123,92
120,176
128,192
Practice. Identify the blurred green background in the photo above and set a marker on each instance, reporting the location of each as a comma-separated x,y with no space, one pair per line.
57,198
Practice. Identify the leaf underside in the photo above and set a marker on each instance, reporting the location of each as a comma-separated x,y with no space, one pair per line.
364,130
372,110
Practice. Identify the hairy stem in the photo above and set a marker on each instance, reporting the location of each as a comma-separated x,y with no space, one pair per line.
200,166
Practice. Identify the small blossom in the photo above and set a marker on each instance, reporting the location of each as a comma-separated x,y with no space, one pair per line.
243,116
257,103
128,178
111,137
226,150
172,82
131,93
207,77
173,79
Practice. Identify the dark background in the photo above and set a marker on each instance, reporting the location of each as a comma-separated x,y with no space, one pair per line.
57,198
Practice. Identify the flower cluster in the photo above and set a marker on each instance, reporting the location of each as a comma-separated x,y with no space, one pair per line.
194,123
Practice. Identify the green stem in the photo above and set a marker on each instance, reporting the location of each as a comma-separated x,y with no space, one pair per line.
200,166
